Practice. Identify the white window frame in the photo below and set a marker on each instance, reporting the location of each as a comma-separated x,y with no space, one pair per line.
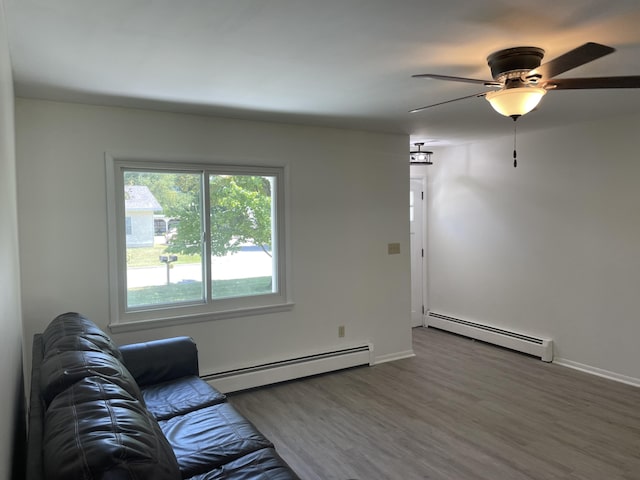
124,319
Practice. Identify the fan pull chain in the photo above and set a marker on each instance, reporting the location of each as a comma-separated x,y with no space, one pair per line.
515,154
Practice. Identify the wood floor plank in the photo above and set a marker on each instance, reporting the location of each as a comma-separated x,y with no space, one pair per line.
458,410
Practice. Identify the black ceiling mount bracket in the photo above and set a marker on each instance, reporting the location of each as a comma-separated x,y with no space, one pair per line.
522,59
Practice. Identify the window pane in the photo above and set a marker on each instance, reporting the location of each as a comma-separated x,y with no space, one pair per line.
242,236
163,240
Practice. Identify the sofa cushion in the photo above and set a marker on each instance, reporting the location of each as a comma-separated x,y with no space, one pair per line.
59,372
96,429
207,438
161,360
180,396
72,331
264,464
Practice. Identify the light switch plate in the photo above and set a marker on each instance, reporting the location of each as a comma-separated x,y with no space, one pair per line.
393,248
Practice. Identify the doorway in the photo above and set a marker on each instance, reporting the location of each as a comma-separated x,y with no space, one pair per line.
417,225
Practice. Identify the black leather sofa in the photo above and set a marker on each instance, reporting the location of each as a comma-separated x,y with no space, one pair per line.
135,412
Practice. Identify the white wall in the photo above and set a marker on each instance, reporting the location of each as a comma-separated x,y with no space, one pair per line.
12,391
550,248
348,196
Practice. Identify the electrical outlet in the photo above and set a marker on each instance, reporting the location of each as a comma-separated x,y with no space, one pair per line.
393,248
341,331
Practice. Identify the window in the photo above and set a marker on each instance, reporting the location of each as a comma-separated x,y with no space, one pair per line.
192,242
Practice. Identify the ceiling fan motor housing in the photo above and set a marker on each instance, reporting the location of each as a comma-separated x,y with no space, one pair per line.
511,62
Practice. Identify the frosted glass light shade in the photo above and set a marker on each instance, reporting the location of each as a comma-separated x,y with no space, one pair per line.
512,102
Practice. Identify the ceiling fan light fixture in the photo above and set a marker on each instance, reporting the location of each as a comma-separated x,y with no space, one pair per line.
515,102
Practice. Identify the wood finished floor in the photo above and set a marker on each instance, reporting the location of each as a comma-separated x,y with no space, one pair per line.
458,410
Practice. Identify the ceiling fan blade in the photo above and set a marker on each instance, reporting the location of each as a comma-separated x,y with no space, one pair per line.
572,59
488,83
632,81
482,94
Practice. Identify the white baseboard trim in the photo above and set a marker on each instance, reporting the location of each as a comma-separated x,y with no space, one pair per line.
290,369
393,356
598,371
518,341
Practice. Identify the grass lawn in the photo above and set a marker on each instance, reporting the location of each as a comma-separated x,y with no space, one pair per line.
192,291
149,256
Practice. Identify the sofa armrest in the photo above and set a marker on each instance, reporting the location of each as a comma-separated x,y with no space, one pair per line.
161,360
35,469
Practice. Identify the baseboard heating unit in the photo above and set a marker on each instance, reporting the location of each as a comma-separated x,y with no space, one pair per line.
538,347
290,369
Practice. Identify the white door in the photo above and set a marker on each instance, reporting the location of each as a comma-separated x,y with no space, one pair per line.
418,250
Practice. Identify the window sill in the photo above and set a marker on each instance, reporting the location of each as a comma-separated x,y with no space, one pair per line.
134,326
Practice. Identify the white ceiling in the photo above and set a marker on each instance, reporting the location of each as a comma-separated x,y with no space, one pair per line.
342,63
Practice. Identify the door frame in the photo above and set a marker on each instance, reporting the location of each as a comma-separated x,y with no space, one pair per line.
422,178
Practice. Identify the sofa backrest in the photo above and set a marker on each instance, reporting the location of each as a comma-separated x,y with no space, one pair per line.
149,363
74,332
87,415
95,428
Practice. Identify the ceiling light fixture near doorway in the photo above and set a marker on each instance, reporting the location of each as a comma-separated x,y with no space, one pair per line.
420,157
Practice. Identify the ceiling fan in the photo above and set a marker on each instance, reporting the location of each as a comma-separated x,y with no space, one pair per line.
521,81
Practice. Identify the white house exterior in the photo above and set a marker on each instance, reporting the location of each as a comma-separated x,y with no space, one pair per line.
139,206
